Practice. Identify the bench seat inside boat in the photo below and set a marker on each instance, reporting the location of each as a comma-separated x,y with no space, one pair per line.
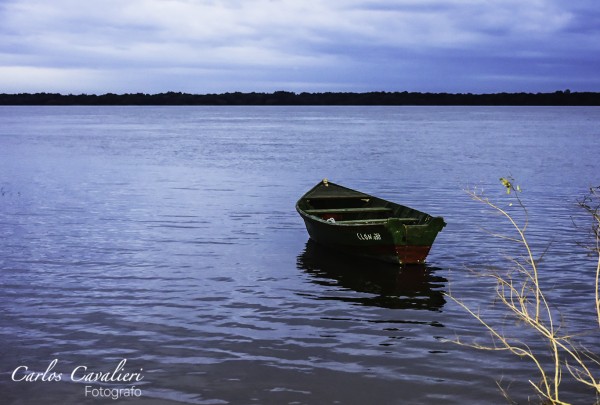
348,210
376,220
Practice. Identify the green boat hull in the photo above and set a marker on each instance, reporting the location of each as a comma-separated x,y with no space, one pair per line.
360,224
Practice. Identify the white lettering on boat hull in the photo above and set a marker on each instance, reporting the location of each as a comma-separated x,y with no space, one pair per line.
368,236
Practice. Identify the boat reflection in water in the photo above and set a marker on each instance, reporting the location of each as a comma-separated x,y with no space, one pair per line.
388,285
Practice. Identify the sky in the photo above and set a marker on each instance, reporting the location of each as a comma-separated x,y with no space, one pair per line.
217,46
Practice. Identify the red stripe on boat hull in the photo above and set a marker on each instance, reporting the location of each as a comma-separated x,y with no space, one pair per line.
412,254
401,254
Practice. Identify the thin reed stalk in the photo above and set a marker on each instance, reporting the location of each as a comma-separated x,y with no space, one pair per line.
522,296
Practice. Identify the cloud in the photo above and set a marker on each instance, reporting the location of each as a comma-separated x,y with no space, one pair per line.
47,79
383,44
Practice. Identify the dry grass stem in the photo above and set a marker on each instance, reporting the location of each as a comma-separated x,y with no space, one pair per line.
520,293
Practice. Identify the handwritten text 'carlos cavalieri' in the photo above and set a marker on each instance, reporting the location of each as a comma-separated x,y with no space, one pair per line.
79,374
82,374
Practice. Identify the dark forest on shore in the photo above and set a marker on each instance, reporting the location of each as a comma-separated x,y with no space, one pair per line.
558,98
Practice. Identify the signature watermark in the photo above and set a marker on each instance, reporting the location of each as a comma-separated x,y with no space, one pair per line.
119,374
112,393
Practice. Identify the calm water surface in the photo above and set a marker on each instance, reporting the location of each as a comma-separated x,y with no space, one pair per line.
168,237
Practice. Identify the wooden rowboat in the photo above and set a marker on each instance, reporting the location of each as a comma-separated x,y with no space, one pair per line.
360,224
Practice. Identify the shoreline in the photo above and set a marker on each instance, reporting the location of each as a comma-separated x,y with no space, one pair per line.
285,98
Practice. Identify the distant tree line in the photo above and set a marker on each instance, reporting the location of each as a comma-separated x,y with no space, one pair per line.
562,98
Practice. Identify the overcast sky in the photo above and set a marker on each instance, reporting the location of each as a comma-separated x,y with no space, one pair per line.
207,46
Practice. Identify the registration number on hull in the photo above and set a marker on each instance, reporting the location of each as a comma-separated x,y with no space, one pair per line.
368,236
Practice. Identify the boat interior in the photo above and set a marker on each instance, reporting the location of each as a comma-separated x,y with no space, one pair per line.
358,209
336,204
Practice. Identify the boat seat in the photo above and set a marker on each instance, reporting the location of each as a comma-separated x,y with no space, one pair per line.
348,210
376,220
363,197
